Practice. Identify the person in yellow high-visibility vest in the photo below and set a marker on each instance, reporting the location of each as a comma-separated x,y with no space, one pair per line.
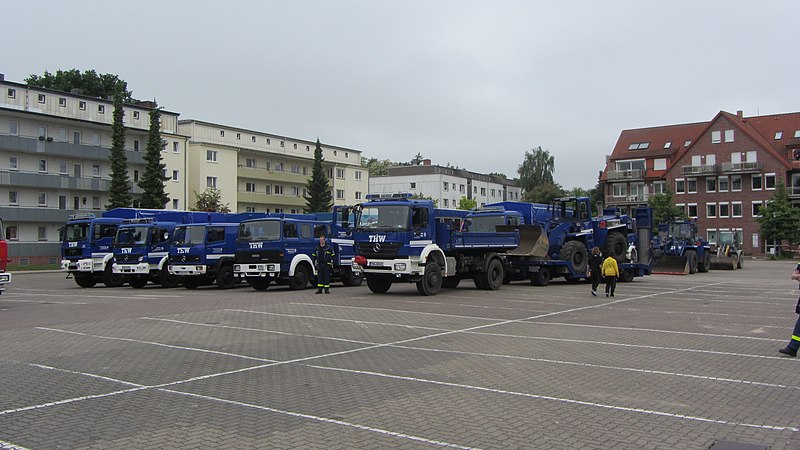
794,343
610,273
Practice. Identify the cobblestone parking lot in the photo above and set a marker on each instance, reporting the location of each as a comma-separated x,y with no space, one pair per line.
671,362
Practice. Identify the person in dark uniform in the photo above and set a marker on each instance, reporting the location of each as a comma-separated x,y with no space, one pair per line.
794,342
595,264
323,260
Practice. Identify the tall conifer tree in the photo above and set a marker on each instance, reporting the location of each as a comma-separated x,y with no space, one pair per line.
119,193
319,198
153,178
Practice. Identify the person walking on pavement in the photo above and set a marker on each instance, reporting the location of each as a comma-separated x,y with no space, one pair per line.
595,264
323,260
794,343
610,273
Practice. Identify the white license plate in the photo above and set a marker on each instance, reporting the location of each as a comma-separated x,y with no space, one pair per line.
375,264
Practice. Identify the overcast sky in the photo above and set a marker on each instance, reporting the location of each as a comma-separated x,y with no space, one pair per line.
470,83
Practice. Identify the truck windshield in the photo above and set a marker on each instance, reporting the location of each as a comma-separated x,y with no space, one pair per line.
262,230
131,236
189,235
483,223
729,237
384,217
681,231
104,230
76,232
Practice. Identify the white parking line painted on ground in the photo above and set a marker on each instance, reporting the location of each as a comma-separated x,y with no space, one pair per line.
43,301
700,313
119,297
653,330
366,308
9,446
337,319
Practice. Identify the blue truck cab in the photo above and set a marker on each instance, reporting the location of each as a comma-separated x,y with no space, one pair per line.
203,254
141,250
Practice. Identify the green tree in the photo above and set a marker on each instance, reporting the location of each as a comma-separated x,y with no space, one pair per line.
467,203
119,193
536,170
319,197
597,196
664,209
153,178
417,160
779,221
89,82
544,193
375,166
210,200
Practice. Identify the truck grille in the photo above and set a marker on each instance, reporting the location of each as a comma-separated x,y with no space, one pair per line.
127,258
73,252
378,250
257,256
179,259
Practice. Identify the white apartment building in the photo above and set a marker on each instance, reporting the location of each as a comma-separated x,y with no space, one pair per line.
447,185
271,171
54,149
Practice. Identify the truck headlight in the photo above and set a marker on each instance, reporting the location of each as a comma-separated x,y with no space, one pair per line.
237,268
400,266
261,268
140,259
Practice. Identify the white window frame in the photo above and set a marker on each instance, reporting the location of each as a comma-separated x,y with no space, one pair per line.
728,135
358,175
250,186
211,156
340,194
660,163
659,187
211,182
727,183
688,182
739,177
753,204
714,179
340,173
13,163
752,182
680,182
727,206
712,238
709,213
767,176
689,207
42,199
42,166
733,210
176,175
96,170
13,197
716,137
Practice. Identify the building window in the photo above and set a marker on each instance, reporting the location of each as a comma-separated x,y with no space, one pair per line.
660,164
13,128
620,189
13,163
76,137
736,209
281,143
716,137
95,170
358,175
711,236
659,187
308,148
43,166
413,185
711,210
278,189
221,133
250,163
692,210
492,192
756,182
62,168
176,203
11,233
62,102
176,147
95,202
250,209
136,115
250,187
82,105
778,135
295,146
446,186
136,175
12,197
211,182
295,168
176,175
723,184
728,135
340,173
724,210
691,185
279,167
639,146
211,155
42,199
680,186
101,109
682,207
252,139
687,143
268,190
42,98
756,209
483,191
736,183
667,144
238,136
42,233
295,191
358,195
769,181
711,184
268,141
340,194
446,203
12,93
95,138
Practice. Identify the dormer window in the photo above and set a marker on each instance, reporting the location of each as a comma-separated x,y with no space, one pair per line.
639,146
687,143
778,135
668,144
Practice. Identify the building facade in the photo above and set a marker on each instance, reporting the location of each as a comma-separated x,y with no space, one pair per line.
446,185
720,172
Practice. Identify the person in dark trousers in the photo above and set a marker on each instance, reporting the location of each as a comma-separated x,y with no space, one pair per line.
794,343
595,264
323,260
610,273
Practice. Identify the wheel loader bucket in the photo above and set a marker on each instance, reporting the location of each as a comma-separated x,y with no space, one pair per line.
532,240
724,259
672,265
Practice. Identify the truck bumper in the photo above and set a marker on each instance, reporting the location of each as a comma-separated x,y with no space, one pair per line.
188,270
5,279
269,270
132,269
81,265
396,267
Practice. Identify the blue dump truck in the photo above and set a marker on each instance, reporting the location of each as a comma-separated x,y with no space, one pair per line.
141,246
203,253
278,250
399,239
86,247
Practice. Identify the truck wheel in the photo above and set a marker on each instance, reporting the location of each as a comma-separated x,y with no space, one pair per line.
431,282
705,264
225,278
451,282
167,280
300,278
480,281
626,276
739,261
379,285
691,255
541,278
493,277
85,281
577,254
112,279
258,283
191,282
616,246
138,281
350,278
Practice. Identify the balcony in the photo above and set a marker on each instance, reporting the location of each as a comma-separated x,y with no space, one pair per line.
272,175
65,149
270,199
745,167
630,174
707,169
52,181
633,199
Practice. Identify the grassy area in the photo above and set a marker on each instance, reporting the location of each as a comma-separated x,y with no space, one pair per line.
18,268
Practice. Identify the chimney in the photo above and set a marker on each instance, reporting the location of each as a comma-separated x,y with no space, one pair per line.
426,162
740,114
2,77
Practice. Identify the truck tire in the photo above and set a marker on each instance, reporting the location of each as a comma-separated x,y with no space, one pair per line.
480,281
492,279
349,278
258,283
451,282
167,280
112,279
705,264
191,282
225,278
138,281
616,246
300,278
431,282
577,254
691,256
541,277
626,276
739,261
85,280
379,284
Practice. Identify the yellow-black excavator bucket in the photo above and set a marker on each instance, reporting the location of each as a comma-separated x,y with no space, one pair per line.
532,240
725,258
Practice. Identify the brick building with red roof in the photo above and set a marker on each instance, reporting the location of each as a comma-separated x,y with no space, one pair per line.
720,172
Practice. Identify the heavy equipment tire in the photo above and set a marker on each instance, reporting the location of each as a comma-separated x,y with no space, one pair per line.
138,281
167,280
616,246
739,261
192,282
300,278
691,256
225,278
258,283
542,277
451,282
705,264
112,279
576,253
480,281
493,277
431,282
379,284
626,276
85,281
